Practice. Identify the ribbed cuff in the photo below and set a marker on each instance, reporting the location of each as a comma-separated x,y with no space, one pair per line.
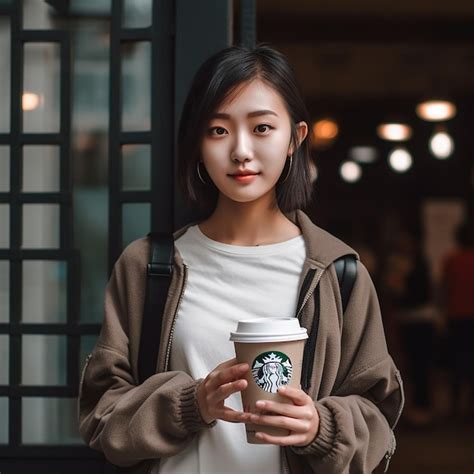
325,439
189,409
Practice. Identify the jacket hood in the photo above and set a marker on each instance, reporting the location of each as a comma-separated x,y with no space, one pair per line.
322,247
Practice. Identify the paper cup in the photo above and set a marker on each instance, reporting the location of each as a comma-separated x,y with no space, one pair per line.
273,348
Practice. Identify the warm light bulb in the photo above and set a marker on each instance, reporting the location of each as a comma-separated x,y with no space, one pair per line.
436,110
325,129
350,171
30,101
441,145
394,131
400,160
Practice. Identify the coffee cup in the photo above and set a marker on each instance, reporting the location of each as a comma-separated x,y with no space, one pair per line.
273,348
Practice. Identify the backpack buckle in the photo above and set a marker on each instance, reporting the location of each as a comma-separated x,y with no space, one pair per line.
156,269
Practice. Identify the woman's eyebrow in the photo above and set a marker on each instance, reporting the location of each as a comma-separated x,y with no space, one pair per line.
256,113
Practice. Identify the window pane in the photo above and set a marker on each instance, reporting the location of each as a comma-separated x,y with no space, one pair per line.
136,80
4,291
4,359
44,291
136,170
90,234
49,421
43,360
41,88
4,416
136,13
4,225
37,15
40,226
40,168
136,221
4,164
91,78
4,75
90,7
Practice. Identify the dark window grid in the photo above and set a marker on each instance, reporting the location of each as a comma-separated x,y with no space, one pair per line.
161,136
6,10
162,37
72,329
16,139
49,452
34,139
49,329
17,199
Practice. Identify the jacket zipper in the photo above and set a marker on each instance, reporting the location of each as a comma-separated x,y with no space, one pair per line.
81,379
391,451
312,277
170,339
285,464
402,402
154,462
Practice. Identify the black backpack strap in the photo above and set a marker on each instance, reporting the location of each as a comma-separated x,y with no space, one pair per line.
159,271
346,270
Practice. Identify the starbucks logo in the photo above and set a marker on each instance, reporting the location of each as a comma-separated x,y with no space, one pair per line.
271,370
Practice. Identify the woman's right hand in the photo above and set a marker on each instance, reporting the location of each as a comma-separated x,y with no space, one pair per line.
222,382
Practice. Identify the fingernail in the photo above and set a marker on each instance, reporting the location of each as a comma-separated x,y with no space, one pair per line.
260,404
253,417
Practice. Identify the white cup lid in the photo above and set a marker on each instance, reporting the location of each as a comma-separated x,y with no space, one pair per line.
268,330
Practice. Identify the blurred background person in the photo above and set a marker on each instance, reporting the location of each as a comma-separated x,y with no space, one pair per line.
458,302
408,281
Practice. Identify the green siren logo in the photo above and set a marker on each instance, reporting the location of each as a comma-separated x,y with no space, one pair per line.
271,370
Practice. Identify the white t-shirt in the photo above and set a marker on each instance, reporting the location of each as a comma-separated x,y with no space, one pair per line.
227,283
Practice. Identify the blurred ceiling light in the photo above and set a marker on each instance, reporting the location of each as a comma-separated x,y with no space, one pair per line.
350,171
324,132
394,131
30,101
363,154
436,110
325,129
400,160
441,145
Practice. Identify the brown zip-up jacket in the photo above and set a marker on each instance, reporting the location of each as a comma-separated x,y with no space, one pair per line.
356,387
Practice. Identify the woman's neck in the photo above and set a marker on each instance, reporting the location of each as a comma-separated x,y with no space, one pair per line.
248,224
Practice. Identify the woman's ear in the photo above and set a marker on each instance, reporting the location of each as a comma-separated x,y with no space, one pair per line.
301,131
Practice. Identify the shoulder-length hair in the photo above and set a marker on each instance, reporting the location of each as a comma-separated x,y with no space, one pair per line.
215,81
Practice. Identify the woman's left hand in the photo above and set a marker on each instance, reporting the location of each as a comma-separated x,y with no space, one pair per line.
301,418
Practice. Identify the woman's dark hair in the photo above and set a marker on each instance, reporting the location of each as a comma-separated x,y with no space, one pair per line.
213,83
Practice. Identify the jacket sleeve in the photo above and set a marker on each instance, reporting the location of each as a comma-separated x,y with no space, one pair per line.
358,417
126,421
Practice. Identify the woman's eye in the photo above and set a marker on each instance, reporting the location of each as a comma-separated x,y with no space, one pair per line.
259,127
217,130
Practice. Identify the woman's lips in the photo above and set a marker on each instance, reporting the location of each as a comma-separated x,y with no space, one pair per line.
244,178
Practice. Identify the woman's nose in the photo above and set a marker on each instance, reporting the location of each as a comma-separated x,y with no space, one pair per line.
242,150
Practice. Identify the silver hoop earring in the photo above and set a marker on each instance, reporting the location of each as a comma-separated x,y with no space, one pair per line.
289,170
199,173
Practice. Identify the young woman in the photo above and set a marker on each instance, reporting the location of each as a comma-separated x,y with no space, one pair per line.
243,156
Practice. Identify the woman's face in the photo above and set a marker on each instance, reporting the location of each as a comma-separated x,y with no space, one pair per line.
249,132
